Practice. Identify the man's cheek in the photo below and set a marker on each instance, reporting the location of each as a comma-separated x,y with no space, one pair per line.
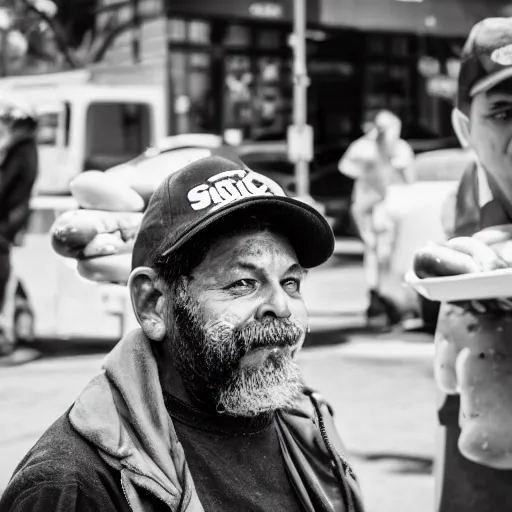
221,329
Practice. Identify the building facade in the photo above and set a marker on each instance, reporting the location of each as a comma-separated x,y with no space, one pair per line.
230,63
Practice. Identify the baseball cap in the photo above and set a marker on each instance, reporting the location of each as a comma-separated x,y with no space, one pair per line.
486,59
213,188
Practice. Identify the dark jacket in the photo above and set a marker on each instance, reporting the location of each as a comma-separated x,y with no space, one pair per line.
18,173
117,450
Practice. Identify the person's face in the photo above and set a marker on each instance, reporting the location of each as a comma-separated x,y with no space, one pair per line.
239,320
388,128
491,136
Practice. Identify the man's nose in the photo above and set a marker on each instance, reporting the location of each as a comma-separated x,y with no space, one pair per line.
276,303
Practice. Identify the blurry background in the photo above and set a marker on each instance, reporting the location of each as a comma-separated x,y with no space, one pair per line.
110,78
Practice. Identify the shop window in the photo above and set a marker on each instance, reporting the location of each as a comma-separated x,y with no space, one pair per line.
177,30
116,133
268,39
376,45
400,46
237,36
199,32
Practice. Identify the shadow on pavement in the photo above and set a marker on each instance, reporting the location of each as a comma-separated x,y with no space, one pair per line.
401,463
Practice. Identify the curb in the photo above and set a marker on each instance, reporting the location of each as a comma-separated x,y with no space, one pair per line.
19,357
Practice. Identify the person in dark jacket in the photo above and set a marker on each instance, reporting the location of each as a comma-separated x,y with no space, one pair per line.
483,122
18,173
204,407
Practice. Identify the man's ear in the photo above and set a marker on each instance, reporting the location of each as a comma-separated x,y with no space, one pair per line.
460,123
149,301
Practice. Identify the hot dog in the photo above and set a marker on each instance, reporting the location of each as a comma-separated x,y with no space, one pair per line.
74,230
436,260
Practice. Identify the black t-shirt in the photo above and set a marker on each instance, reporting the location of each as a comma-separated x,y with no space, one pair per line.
236,463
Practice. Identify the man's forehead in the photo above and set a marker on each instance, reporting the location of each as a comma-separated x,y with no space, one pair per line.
252,246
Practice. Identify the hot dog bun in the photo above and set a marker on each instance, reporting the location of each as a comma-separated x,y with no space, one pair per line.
97,190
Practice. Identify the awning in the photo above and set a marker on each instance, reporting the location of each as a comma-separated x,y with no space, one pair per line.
435,17
275,10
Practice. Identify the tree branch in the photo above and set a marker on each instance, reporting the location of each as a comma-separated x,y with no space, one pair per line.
110,37
59,38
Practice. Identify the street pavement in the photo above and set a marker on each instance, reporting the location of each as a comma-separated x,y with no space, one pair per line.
380,386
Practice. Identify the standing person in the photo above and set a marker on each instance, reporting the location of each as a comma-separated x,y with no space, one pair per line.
204,407
375,161
482,120
18,172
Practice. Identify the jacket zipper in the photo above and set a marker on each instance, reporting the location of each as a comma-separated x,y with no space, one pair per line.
335,466
149,490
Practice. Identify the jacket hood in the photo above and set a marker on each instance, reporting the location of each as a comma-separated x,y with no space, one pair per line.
122,412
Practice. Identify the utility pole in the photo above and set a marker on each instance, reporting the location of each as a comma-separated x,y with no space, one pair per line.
168,86
300,134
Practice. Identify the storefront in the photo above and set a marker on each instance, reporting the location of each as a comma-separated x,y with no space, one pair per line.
231,64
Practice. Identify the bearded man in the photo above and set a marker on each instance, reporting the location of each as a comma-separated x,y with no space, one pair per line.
203,407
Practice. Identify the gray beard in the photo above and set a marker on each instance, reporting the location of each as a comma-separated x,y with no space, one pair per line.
209,363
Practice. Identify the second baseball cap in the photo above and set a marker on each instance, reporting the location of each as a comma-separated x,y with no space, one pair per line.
486,59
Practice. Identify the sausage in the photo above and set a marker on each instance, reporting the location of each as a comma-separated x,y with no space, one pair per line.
436,261
74,230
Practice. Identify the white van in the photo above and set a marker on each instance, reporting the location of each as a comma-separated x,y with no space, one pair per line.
84,126
64,305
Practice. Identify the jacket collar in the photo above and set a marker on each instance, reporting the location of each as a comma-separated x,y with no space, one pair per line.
122,412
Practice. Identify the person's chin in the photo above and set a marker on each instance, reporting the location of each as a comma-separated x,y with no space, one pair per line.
266,381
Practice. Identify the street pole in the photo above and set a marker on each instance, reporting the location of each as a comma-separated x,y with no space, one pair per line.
168,86
300,136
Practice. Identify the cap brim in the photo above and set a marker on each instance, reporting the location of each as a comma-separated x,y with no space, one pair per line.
490,81
307,230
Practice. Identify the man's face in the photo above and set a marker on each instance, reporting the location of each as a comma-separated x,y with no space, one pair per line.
491,136
239,321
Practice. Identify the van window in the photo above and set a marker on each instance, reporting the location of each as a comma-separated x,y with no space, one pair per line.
50,123
115,133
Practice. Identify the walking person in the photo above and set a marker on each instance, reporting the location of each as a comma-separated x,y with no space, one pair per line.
18,173
375,161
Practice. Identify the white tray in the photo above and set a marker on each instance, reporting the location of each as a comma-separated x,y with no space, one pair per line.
476,286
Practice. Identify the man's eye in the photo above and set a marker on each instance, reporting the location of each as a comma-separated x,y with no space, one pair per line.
243,284
292,285
504,115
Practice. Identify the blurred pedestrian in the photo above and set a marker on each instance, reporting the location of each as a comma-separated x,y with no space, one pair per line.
482,120
375,161
18,172
204,407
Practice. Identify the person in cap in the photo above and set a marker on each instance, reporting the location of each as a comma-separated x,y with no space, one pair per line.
204,406
482,119
375,161
18,173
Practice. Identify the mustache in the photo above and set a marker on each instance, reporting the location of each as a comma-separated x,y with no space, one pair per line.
271,332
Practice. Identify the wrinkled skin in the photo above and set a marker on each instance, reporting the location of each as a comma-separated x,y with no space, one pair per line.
233,326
